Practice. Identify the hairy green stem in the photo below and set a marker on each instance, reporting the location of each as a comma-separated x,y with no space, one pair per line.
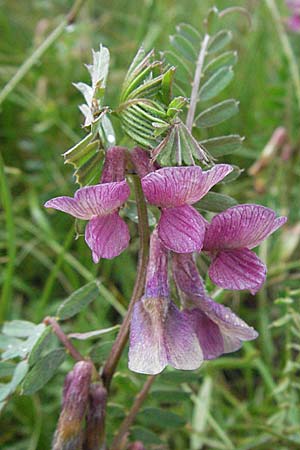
29,63
138,289
11,243
286,46
196,83
130,417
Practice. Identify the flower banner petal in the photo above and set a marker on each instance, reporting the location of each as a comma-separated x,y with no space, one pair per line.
181,229
238,270
176,186
107,236
92,201
146,348
181,343
102,199
242,226
208,333
69,206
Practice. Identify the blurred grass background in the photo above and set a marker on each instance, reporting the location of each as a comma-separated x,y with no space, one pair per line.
248,400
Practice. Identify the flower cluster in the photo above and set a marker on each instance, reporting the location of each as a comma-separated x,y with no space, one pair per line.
201,329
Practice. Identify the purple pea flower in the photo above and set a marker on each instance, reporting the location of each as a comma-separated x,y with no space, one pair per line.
217,328
181,228
106,233
229,240
160,334
293,22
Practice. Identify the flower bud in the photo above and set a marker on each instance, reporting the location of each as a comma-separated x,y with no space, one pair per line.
69,432
114,165
94,435
142,162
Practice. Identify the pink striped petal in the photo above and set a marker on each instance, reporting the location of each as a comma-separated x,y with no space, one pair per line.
92,201
229,323
69,206
238,270
208,333
161,335
181,343
107,236
147,353
181,229
175,186
242,226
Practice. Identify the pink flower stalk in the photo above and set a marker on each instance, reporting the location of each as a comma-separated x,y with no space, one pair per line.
160,334
106,233
217,328
173,189
229,240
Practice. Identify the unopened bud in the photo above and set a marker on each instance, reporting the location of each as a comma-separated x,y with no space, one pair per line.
142,162
114,165
95,421
69,434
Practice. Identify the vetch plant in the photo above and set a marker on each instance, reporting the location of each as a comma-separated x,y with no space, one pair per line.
165,173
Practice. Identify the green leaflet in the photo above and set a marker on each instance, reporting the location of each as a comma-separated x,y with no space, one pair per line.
189,32
232,176
43,371
6,369
18,376
160,418
219,41
180,147
215,202
144,435
145,96
40,346
18,328
216,83
226,59
217,113
78,300
222,145
100,352
184,46
170,396
20,348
